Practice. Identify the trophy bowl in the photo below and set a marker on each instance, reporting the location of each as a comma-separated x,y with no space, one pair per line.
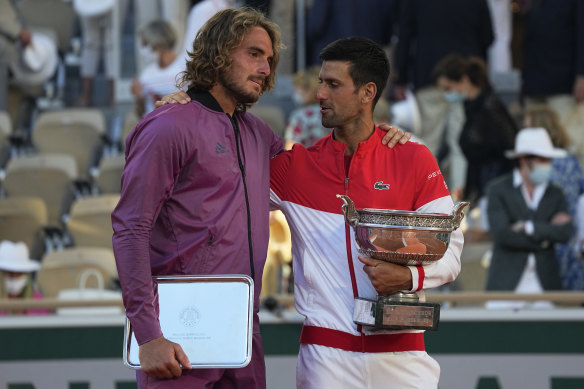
407,238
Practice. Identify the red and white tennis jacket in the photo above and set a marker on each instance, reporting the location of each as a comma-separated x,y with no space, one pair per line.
328,274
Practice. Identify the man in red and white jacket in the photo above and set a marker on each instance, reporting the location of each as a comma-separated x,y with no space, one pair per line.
329,275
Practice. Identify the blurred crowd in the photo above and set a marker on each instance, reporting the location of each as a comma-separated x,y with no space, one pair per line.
494,88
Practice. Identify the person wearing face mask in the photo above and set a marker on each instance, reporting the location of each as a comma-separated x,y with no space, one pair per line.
527,216
304,124
568,174
159,77
488,129
16,270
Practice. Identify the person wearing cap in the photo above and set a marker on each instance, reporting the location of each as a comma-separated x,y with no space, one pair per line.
16,270
527,216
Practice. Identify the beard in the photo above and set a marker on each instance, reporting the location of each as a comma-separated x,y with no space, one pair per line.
237,89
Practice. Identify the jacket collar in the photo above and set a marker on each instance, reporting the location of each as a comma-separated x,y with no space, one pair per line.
206,98
364,146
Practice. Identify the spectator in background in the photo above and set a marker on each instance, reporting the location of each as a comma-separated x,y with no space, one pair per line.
16,270
428,31
488,129
98,39
329,20
304,124
12,35
159,78
527,216
173,11
579,246
553,63
567,174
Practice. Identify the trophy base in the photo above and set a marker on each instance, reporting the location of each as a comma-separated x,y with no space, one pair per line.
397,312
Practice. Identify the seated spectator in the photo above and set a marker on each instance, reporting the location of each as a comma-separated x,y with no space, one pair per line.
16,270
488,128
304,125
567,174
158,78
527,216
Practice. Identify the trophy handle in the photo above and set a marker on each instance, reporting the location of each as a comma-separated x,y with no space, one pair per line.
351,214
458,214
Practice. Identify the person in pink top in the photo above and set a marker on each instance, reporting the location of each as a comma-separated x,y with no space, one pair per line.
16,269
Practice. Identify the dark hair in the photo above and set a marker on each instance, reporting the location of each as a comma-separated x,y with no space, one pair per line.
368,61
212,47
455,66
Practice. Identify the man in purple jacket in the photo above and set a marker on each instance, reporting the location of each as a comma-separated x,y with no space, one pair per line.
195,192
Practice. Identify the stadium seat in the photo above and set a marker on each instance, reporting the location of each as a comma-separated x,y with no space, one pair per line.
109,177
5,132
22,219
78,132
90,220
48,176
61,269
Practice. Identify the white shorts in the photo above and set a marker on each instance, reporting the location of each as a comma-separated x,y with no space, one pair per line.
321,367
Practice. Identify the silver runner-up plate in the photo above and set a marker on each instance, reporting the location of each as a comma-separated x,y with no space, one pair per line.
211,317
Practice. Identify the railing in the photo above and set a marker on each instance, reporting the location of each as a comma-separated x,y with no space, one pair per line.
571,298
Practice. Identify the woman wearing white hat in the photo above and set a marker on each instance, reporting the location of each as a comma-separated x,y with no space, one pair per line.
16,270
527,216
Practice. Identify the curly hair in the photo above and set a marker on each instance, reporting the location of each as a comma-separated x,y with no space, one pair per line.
212,47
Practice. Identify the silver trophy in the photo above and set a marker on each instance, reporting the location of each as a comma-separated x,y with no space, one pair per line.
406,238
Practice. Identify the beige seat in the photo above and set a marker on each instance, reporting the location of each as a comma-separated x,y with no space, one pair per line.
130,121
272,115
109,177
5,132
5,126
23,219
90,221
75,131
61,269
48,176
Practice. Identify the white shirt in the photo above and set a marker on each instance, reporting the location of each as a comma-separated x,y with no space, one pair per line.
157,82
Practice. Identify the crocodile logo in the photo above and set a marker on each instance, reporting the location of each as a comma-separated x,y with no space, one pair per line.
379,185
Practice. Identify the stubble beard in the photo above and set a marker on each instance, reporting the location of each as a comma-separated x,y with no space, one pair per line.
239,92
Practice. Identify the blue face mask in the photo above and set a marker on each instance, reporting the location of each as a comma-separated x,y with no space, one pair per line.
454,96
540,173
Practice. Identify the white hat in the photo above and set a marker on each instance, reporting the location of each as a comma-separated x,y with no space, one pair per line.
406,114
38,61
14,258
534,141
92,8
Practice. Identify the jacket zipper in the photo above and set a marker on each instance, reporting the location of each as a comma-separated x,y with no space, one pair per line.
242,170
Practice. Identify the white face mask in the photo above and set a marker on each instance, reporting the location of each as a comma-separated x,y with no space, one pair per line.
15,285
148,54
541,173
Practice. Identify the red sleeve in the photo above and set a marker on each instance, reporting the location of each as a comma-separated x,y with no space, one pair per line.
431,184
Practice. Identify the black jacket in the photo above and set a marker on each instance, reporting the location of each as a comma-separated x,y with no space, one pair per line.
510,249
431,29
488,131
553,47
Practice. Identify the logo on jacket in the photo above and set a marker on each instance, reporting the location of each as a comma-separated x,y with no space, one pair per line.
379,185
220,149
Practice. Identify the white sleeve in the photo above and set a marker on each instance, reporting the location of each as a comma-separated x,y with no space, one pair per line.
447,268
275,201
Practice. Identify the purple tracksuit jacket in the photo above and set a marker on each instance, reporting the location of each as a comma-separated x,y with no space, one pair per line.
194,201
